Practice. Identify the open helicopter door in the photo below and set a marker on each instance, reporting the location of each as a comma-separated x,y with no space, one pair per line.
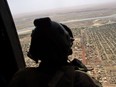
11,56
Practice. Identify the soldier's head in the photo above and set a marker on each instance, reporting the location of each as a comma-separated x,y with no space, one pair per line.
50,41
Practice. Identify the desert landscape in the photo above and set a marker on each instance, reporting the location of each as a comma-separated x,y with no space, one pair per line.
94,30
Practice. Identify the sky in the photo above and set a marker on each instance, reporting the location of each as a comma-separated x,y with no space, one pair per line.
25,6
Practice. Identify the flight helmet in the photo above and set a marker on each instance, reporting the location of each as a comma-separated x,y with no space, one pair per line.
50,40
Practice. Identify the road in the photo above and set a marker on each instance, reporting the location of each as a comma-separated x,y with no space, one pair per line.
27,30
86,19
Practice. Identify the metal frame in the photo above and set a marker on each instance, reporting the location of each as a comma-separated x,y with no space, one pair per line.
12,56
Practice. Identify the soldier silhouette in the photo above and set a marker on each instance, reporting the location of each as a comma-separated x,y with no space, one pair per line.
51,43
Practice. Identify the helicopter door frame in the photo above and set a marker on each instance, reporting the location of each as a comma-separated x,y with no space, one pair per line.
12,58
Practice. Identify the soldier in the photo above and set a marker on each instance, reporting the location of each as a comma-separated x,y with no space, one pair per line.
51,43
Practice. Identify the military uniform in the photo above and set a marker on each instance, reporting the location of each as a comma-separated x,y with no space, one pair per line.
65,76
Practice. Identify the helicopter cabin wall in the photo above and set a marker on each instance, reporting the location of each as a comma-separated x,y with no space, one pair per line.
11,56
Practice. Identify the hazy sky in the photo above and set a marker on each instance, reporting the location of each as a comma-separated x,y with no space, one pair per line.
23,6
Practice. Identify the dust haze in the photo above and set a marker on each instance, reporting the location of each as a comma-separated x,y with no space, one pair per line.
94,29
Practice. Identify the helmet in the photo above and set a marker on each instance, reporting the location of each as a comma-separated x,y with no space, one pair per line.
70,33
50,40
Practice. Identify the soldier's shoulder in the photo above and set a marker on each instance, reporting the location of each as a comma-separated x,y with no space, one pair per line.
85,79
